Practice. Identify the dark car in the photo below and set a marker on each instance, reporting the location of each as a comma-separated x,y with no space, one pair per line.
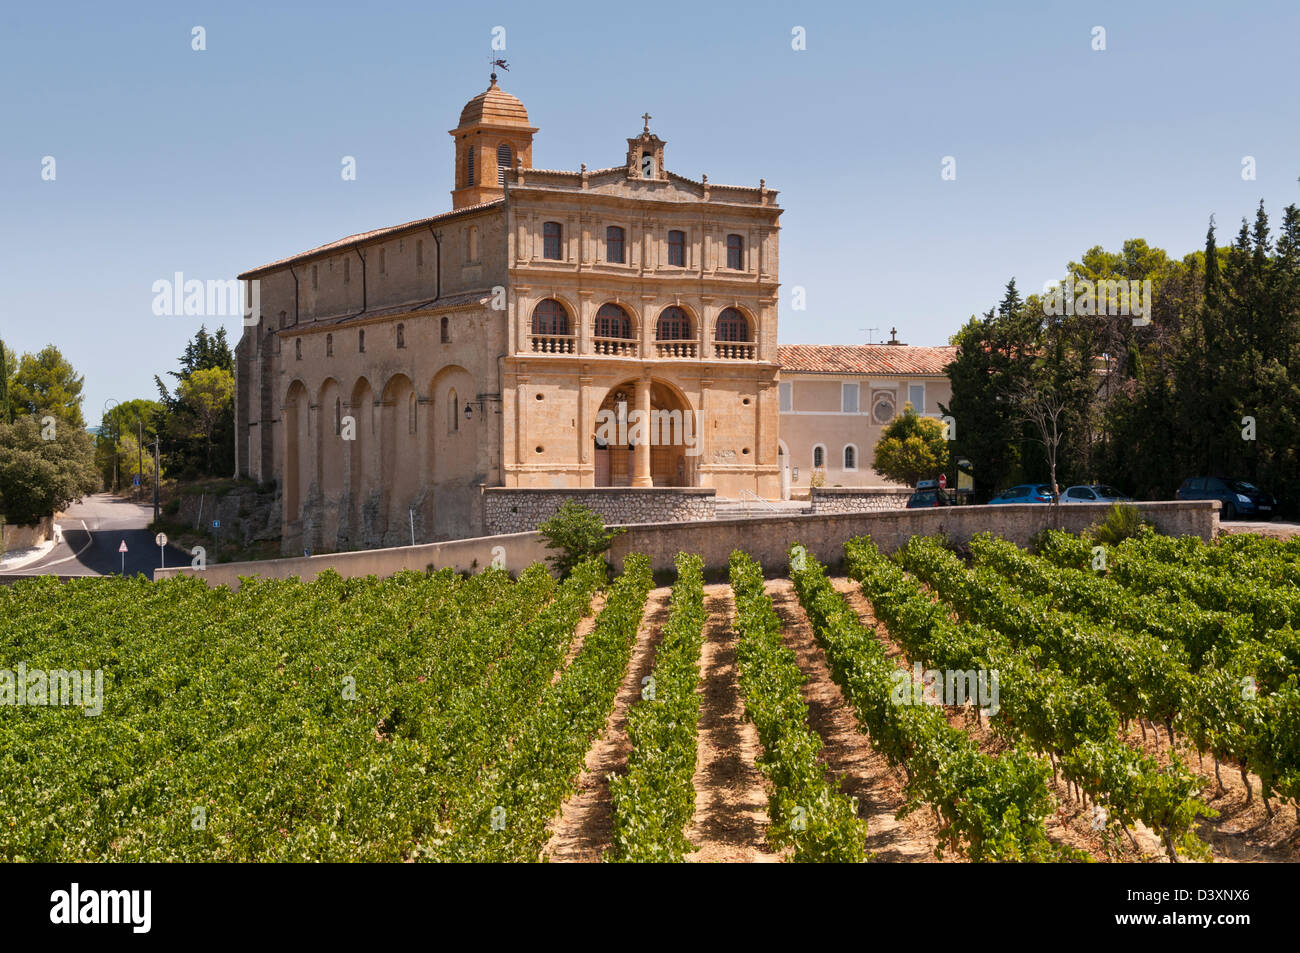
929,493
1025,493
1238,497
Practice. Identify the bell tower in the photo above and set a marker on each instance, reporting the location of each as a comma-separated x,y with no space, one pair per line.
492,138
645,155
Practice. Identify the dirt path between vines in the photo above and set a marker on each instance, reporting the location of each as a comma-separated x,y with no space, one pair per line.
582,833
1071,823
580,635
730,800
867,775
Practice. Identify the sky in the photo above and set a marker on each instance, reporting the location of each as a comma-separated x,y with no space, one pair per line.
209,162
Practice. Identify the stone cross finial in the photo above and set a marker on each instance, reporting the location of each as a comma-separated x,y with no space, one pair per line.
647,117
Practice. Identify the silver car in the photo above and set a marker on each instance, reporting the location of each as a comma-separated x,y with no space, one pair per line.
1094,493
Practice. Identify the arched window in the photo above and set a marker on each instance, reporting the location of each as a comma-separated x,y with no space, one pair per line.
674,325
613,322
551,243
446,330
735,252
469,166
549,317
329,345
819,457
338,416
732,326
504,161
850,457
297,349
614,244
453,412
677,249
401,335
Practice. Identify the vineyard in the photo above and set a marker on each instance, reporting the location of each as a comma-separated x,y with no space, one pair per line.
1131,703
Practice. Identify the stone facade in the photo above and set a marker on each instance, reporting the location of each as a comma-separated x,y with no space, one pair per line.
853,500
510,510
392,374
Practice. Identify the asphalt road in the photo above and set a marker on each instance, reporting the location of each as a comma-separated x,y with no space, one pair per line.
92,532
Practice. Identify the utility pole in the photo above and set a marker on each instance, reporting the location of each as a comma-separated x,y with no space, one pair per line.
156,471
139,446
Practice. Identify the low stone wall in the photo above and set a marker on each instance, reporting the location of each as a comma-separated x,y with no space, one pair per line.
514,552
521,509
768,538
865,499
23,535
246,513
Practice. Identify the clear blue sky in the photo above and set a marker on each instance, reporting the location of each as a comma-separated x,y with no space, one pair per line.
212,162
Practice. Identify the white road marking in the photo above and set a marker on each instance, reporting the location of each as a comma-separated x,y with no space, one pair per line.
89,541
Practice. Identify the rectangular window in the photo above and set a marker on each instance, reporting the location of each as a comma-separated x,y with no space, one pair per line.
551,244
383,261
849,397
735,252
614,244
347,270
916,397
313,277
419,254
786,391
677,249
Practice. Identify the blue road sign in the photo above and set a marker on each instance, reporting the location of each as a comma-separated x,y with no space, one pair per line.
216,524
136,481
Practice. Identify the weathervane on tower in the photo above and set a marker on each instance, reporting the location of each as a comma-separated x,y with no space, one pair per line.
498,63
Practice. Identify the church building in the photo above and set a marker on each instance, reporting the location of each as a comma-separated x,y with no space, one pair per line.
518,340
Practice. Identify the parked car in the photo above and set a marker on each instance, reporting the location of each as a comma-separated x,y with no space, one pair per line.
1238,497
1025,493
928,493
1094,493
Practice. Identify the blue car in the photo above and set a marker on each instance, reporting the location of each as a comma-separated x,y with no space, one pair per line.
1025,493
1237,497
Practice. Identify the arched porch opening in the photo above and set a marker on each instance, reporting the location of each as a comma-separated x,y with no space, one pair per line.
671,429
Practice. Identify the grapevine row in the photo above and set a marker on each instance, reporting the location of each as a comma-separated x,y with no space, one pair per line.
991,808
655,799
807,811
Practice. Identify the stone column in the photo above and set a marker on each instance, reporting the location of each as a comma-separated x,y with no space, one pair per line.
641,453
585,430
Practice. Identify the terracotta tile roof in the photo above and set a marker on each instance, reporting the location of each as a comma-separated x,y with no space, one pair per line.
422,305
363,237
902,359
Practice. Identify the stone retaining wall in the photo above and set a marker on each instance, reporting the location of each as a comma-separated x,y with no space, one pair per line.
768,538
519,509
848,499
23,535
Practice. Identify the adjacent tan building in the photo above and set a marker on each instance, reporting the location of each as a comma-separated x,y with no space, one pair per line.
835,402
395,372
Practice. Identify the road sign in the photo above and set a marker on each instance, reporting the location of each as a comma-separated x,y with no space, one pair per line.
943,480
216,524
136,481
122,548
161,539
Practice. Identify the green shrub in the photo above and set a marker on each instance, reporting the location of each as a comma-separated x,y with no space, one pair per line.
578,533
1123,521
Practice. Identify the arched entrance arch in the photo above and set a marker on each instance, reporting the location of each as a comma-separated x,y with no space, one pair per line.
671,429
